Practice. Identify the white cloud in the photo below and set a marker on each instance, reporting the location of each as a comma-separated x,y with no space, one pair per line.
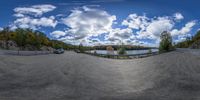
180,38
35,23
57,34
36,10
87,21
119,34
148,28
31,17
178,16
19,15
184,30
136,22
156,27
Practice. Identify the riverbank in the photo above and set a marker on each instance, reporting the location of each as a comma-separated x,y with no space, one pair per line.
71,76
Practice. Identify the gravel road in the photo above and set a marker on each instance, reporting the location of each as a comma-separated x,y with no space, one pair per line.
71,76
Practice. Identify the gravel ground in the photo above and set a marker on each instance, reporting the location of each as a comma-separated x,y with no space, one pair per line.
70,76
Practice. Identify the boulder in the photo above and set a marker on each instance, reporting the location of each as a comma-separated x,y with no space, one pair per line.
2,44
12,45
195,45
46,48
29,47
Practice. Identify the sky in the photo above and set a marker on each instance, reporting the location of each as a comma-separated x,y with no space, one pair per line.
103,22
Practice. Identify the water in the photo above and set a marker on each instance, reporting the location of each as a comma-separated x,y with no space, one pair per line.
128,52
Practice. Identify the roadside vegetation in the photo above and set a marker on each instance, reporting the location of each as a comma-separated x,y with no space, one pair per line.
190,42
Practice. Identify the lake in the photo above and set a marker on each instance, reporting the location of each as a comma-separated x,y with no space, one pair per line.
128,52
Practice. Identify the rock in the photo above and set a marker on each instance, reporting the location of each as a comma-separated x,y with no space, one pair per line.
2,44
46,48
195,45
29,47
12,45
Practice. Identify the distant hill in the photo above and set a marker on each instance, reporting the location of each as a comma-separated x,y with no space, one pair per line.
190,42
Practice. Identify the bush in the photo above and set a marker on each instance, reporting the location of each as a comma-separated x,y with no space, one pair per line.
122,51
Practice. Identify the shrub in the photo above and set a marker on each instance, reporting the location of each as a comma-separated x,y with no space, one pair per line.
122,51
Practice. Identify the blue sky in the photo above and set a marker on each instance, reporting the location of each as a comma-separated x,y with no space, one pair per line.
97,22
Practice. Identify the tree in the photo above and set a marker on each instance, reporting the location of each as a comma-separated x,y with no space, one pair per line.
20,38
192,41
122,51
12,36
166,42
5,35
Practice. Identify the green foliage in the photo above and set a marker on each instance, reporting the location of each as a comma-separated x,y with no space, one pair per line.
4,35
36,39
166,42
189,41
122,51
20,38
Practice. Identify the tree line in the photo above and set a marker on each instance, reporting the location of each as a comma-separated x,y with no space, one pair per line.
193,42
24,37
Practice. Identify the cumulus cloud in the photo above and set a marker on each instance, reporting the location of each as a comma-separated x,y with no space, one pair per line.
178,16
36,10
34,23
19,15
184,30
156,27
87,21
119,34
144,28
57,34
136,22
148,28
31,17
